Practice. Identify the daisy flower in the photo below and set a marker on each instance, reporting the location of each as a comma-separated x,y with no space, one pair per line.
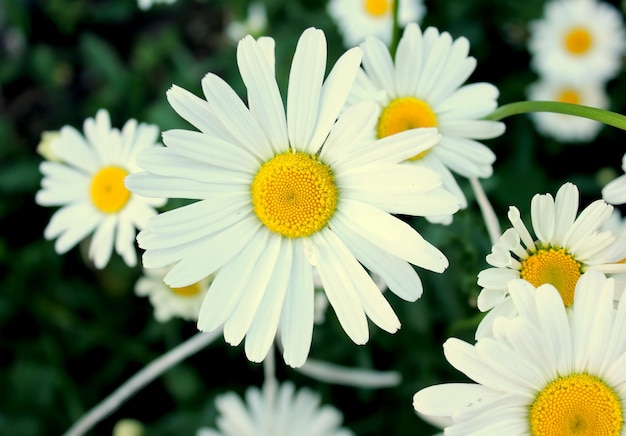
87,180
568,128
614,192
169,302
281,194
358,19
423,89
275,411
565,247
578,41
545,372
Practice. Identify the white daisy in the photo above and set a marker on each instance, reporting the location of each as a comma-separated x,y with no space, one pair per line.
88,182
169,302
568,128
548,371
578,41
275,411
614,192
358,19
254,24
423,89
566,246
281,194
147,4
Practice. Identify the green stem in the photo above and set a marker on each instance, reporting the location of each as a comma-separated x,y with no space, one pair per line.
395,35
604,116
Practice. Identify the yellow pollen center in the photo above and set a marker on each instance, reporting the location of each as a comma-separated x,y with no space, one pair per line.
377,8
405,113
294,194
577,404
187,291
107,190
555,266
578,41
569,95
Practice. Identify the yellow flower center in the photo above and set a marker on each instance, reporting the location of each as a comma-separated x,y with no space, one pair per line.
107,190
377,8
555,266
187,291
405,113
578,41
294,194
577,404
569,95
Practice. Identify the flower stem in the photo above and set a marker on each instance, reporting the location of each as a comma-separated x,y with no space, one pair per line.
604,116
141,379
489,216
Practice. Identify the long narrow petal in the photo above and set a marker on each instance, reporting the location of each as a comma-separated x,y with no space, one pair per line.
243,314
229,284
264,99
399,276
296,324
334,94
398,238
340,292
262,331
305,83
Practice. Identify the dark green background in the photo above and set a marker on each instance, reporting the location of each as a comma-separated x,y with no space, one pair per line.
69,334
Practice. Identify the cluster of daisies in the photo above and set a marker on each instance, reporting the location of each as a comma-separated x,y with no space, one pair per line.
576,48
290,203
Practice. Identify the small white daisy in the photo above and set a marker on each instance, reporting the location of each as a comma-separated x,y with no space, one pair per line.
147,4
358,19
568,128
614,192
423,89
578,41
255,23
280,194
276,411
168,302
548,371
566,246
88,182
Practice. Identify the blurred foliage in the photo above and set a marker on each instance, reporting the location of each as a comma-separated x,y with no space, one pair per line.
71,334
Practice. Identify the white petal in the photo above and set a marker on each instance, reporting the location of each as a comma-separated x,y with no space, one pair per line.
296,324
543,216
340,292
398,238
101,244
241,318
305,83
399,276
229,284
334,93
218,250
264,99
211,150
262,331
378,64
236,117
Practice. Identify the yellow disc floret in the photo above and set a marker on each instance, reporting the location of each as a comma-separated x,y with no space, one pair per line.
578,41
376,8
187,291
555,266
294,194
404,114
107,190
569,95
577,404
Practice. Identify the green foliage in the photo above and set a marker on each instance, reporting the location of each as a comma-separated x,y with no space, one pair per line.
72,334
